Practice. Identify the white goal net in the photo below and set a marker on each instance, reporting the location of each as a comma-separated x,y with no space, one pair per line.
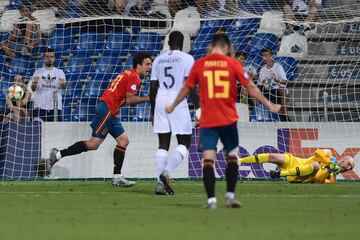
316,43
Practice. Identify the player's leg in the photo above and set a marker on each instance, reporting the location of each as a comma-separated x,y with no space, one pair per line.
179,153
230,139
300,170
278,159
81,146
117,131
99,133
161,159
180,124
208,142
162,128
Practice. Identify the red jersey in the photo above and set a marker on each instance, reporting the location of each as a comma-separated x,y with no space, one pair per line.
115,95
217,76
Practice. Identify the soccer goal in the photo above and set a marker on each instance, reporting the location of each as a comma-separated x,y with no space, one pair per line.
316,45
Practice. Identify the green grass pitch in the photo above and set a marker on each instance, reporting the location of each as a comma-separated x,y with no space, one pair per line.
95,210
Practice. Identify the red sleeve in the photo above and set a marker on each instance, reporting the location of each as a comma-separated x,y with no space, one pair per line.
240,73
133,85
192,78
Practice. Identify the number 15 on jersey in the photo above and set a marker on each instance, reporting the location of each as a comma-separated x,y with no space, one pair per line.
218,78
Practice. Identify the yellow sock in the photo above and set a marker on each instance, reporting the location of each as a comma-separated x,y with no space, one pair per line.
259,158
298,171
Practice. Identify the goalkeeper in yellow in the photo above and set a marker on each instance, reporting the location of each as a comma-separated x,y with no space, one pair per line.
321,167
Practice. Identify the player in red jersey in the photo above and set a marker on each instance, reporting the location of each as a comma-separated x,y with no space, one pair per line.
122,90
217,76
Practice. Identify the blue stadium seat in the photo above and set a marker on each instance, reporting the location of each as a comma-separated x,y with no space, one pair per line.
78,67
60,41
90,43
200,44
238,40
85,111
118,42
129,63
94,89
67,109
149,42
126,113
108,63
74,89
290,66
142,112
261,114
263,40
244,26
257,7
255,61
212,26
22,65
4,36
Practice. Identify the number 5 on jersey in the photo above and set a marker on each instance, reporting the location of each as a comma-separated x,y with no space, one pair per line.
217,79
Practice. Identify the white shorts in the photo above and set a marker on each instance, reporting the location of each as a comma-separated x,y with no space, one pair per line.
177,122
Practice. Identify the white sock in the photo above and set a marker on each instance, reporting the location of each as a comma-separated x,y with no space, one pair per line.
211,200
230,195
180,152
58,155
160,157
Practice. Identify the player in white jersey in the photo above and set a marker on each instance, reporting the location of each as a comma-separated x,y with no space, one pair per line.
168,74
48,83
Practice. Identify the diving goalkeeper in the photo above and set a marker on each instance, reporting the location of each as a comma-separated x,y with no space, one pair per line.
321,167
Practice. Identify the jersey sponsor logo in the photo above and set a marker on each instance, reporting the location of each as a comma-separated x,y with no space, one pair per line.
133,87
48,78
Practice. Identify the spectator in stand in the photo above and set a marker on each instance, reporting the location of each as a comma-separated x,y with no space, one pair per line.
48,83
18,109
177,5
272,82
251,71
25,35
301,10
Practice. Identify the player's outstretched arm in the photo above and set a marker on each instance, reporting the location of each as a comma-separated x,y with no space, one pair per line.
255,93
132,99
185,90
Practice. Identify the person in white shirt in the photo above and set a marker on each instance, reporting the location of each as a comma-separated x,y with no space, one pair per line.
272,81
301,10
48,82
168,74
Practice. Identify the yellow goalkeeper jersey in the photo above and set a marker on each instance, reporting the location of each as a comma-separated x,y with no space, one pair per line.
321,176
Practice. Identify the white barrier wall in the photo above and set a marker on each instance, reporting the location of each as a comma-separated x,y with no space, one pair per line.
139,161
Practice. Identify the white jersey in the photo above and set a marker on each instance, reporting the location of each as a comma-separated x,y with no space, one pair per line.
267,75
171,69
48,87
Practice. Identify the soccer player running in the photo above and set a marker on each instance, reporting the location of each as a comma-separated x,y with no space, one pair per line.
122,90
168,74
217,76
321,167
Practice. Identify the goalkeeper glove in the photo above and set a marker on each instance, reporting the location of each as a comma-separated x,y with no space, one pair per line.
333,167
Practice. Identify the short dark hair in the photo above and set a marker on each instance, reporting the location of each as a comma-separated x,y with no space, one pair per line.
139,57
239,54
267,50
221,39
176,40
49,50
